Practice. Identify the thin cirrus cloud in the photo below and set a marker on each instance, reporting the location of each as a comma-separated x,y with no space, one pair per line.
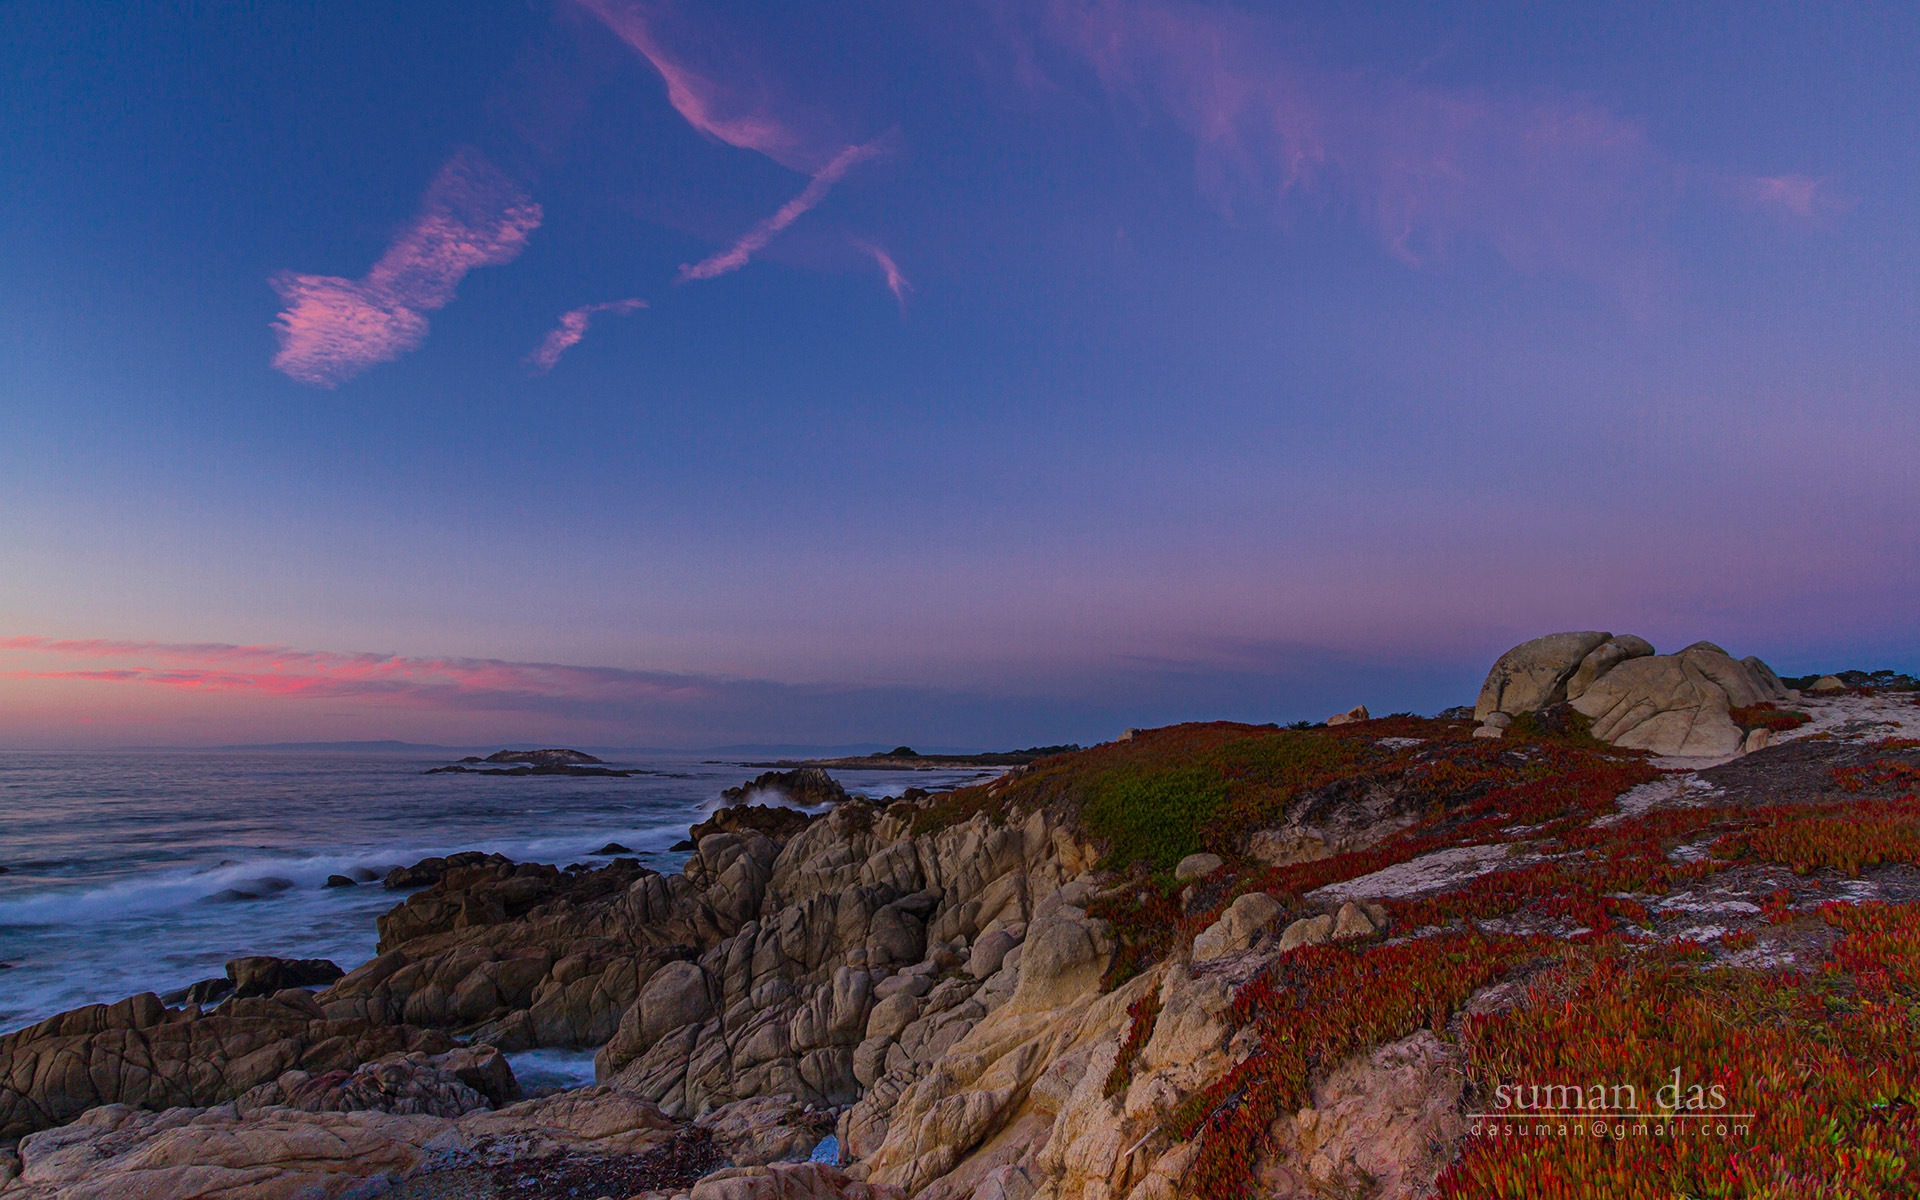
484,699
1547,181
572,328
729,101
735,103
755,239
332,328
1798,197
897,282
454,684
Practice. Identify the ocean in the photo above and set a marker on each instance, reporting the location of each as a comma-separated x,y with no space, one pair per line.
131,872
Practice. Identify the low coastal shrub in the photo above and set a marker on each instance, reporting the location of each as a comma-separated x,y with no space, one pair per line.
1155,817
1147,919
1766,716
1825,1061
1607,998
1559,724
1166,793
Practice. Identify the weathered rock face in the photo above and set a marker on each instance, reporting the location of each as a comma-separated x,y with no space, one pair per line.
1534,674
1384,1125
1321,822
1675,703
232,1152
444,1085
1238,928
264,975
863,949
141,1053
773,820
1605,657
787,1181
1764,674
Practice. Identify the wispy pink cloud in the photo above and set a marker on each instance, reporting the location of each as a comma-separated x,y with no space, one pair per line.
897,283
1547,181
731,102
332,328
572,327
1798,197
285,673
755,239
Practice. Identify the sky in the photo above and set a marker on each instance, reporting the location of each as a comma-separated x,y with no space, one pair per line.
997,372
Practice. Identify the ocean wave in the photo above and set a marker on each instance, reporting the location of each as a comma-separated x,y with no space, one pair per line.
288,878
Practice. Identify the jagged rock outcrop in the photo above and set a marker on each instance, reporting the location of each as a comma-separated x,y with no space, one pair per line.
233,1152
844,964
775,821
141,1053
810,787
1324,821
264,975
429,871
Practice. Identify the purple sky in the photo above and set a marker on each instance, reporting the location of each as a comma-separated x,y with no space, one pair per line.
644,373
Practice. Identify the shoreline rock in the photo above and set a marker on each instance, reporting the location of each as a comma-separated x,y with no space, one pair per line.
955,986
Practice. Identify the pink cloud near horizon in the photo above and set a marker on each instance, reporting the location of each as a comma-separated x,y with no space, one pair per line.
333,328
572,328
285,673
756,238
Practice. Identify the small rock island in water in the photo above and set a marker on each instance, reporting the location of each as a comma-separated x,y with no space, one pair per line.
534,762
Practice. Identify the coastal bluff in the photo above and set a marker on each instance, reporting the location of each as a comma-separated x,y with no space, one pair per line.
1210,961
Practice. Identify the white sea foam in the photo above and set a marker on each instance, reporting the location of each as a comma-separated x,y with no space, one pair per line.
146,872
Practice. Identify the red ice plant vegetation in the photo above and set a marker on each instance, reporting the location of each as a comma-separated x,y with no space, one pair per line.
1827,1057
1311,1009
1766,716
1142,1015
1881,773
1204,786
1827,1062
1582,884
1848,837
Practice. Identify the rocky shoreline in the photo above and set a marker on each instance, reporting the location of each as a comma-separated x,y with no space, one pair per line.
1070,982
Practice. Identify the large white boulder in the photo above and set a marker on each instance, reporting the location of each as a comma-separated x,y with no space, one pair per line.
1603,658
1533,675
1675,704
